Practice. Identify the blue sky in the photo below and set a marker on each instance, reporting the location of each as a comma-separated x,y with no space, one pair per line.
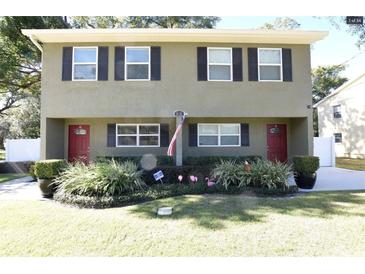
338,47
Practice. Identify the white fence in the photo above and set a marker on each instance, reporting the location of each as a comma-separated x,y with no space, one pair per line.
324,148
22,150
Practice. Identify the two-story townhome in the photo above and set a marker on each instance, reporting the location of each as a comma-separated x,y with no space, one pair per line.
342,115
113,92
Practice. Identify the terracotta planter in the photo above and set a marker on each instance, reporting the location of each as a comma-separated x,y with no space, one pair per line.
47,188
305,181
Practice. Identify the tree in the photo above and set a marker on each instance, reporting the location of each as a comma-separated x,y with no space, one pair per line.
359,30
325,79
19,59
144,21
282,23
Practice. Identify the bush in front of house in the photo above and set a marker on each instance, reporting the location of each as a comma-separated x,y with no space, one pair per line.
32,171
162,160
262,174
46,171
214,160
305,164
102,179
49,169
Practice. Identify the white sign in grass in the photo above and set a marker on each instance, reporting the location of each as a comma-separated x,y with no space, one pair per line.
163,211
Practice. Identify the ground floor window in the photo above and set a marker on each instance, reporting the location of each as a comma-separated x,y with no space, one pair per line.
142,135
338,137
218,135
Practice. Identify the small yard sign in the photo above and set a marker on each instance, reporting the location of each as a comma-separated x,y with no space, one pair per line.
158,175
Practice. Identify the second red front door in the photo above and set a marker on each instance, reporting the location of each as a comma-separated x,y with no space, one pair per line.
276,142
78,143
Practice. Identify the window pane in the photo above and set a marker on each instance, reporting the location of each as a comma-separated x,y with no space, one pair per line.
229,140
219,56
84,55
137,55
270,72
219,72
137,72
208,129
148,140
127,140
269,56
148,129
230,129
208,140
127,130
85,72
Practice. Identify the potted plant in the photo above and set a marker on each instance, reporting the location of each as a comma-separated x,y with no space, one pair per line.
305,168
46,171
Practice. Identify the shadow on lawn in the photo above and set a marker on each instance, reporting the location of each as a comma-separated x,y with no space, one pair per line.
210,211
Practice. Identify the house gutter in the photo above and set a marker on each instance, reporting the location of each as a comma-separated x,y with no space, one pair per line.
35,42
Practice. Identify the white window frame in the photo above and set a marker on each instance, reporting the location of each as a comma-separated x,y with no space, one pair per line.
272,64
220,64
137,63
85,63
219,135
334,112
137,135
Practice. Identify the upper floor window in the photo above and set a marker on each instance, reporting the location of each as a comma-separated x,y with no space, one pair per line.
138,135
337,111
137,63
218,134
270,64
84,65
219,64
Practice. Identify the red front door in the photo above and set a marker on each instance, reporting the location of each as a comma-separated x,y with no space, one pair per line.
276,142
78,143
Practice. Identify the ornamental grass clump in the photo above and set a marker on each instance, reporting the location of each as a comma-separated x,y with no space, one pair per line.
231,174
104,179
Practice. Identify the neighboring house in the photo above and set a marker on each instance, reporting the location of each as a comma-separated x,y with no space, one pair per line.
113,92
342,115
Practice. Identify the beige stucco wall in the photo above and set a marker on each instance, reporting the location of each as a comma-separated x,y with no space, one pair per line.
352,122
106,101
297,142
178,88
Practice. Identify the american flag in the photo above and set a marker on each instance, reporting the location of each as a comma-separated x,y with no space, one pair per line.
172,146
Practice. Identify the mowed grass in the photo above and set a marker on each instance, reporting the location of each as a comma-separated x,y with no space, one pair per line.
315,224
4,177
349,163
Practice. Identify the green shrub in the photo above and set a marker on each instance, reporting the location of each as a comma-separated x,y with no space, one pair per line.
162,160
305,164
230,173
171,174
270,175
214,160
105,179
160,191
264,174
32,171
49,169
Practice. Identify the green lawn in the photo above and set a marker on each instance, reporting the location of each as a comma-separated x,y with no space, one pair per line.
349,163
316,224
10,176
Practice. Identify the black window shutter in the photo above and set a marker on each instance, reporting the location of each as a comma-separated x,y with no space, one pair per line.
155,63
237,64
287,65
164,135
245,136
67,64
111,135
193,135
103,56
252,64
202,64
119,64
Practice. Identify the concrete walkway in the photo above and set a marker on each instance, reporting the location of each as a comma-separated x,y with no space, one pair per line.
20,189
333,178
